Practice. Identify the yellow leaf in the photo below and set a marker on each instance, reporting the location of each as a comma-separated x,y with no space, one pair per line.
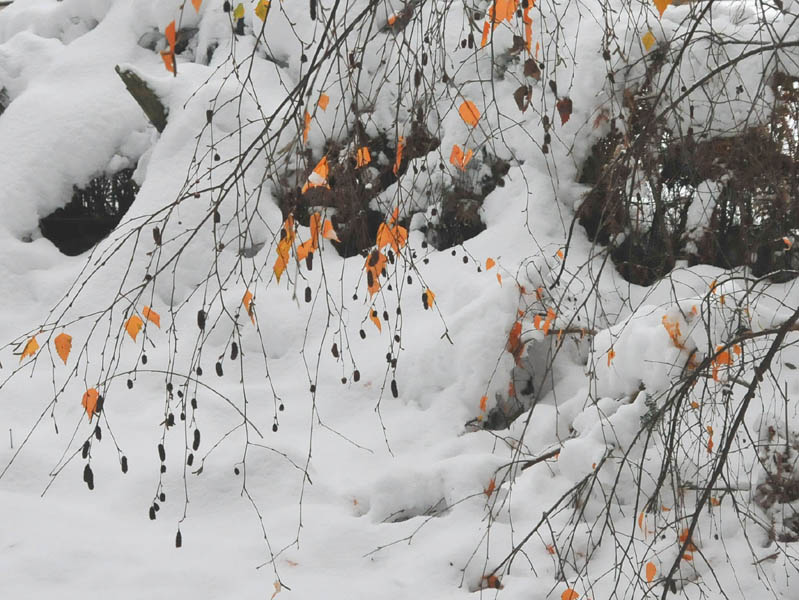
648,40
428,298
469,113
63,345
31,346
152,316
373,316
196,4
324,99
247,302
490,264
89,402
238,12
651,571
661,5
133,326
262,10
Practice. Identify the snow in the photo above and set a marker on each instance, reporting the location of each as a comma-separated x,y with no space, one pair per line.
357,494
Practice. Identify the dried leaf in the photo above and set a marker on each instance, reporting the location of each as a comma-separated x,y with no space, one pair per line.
564,106
89,402
63,345
490,264
133,326
531,69
651,571
486,32
278,587
522,96
515,345
469,113
31,346
483,403
152,316
196,4
491,487
324,100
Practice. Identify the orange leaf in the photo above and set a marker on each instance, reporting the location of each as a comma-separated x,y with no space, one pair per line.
324,100
788,243
304,249
515,345
133,326
63,345
363,158
152,316
673,328
492,582
661,5
537,321
169,61
458,158
394,216
392,19
569,594
469,113
383,235
398,159
486,32
559,254
31,346
611,356
483,403
318,177
651,571
489,263
196,4
247,302
528,28
307,128
428,297
169,32
551,549
315,225
89,402
499,278
491,487
687,556
328,232
373,316
715,501
641,521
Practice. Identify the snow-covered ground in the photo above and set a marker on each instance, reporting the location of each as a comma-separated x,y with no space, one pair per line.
308,481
